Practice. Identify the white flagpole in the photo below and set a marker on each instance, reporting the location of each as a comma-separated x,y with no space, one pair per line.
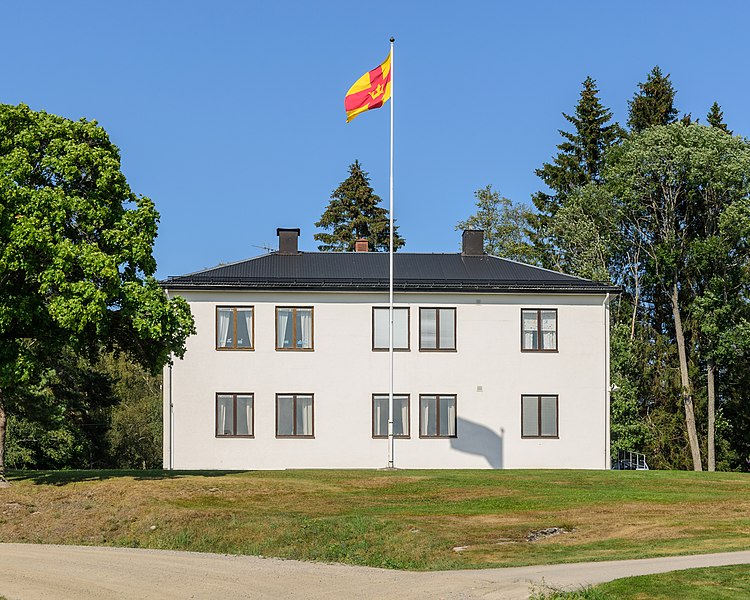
391,439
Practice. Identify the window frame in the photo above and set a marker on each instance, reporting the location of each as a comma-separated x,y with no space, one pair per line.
539,331
408,328
234,330
294,328
437,348
295,436
234,415
539,417
437,416
408,418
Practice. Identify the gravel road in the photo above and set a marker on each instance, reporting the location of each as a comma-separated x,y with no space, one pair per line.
31,572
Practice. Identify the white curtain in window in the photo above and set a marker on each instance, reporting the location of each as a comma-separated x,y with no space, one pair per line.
451,417
428,328
549,330
224,416
244,415
304,330
380,416
244,328
305,415
284,331
404,417
530,330
225,318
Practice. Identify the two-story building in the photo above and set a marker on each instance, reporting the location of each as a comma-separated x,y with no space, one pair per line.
497,364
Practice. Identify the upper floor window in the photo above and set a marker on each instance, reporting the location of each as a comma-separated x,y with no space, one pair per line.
234,327
437,416
234,415
381,326
380,410
539,416
294,328
294,415
437,328
539,329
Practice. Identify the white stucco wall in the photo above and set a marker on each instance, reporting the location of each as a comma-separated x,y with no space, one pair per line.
343,372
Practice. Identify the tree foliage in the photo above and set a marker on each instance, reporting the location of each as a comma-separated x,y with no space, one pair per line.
578,162
505,225
354,212
76,263
653,104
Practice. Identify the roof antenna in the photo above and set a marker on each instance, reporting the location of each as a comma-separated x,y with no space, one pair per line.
266,248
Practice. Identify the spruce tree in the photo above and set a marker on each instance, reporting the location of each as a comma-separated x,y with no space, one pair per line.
654,103
579,162
354,213
715,118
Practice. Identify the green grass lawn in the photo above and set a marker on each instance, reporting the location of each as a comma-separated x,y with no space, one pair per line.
401,519
714,583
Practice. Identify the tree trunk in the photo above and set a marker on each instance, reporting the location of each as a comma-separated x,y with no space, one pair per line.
3,420
711,415
687,390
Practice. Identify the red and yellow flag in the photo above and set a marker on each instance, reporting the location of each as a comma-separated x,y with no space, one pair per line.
371,90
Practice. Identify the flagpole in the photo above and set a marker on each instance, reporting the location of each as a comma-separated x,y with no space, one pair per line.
391,438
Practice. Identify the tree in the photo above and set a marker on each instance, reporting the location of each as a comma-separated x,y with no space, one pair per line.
578,163
76,263
715,118
354,213
505,226
673,186
654,103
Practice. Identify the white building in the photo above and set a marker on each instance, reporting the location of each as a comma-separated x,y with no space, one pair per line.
498,364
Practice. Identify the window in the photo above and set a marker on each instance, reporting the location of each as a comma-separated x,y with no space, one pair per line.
234,328
380,327
294,415
380,406
539,416
234,415
294,328
539,330
437,328
437,416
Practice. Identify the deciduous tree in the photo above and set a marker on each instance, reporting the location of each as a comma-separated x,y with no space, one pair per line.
76,263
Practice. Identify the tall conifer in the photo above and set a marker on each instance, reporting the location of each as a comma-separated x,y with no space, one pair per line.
715,118
354,213
579,162
654,103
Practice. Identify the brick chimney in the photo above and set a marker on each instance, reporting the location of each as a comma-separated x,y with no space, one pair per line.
472,242
361,245
288,240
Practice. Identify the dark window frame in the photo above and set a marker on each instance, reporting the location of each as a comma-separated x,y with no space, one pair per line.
539,331
294,328
295,436
437,347
408,328
234,415
539,417
234,329
408,418
437,416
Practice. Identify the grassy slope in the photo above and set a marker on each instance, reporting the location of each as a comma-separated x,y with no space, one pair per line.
403,519
714,583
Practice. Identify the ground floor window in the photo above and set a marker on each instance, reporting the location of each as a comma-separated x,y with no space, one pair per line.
234,415
437,416
294,415
380,408
539,416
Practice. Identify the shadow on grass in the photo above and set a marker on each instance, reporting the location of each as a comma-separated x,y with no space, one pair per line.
66,477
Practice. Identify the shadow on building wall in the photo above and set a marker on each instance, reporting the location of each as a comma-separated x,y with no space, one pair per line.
474,438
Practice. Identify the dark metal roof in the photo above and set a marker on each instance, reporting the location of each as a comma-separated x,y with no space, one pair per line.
368,271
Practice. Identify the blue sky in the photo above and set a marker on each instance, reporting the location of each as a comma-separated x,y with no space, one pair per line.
230,116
